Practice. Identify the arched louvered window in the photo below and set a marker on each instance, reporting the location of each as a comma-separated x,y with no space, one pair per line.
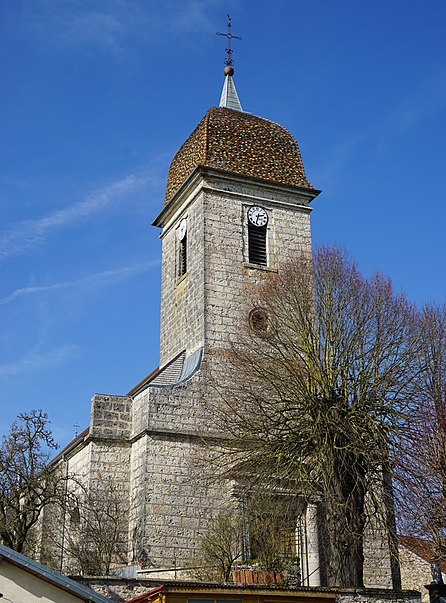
182,248
257,244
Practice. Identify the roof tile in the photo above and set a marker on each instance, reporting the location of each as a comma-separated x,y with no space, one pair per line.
240,143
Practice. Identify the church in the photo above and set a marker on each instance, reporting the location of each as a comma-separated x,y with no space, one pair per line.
237,205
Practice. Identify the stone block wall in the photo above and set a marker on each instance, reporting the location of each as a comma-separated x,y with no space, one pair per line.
204,306
111,416
182,299
173,493
50,531
185,409
99,465
139,548
378,595
110,456
230,281
415,572
170,515
79,463
377,562
110,460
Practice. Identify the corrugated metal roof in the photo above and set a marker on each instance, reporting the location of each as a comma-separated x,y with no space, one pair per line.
228,588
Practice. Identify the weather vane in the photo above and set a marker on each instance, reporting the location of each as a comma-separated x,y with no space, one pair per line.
229,62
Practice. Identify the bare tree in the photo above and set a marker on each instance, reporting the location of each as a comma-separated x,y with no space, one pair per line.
221,546
27,485
260,532
421,471
271,521
95,537
322,377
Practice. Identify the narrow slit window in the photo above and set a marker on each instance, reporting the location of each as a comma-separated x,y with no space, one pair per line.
182,256
182,248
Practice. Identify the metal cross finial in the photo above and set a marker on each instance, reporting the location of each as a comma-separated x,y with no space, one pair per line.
229,62
76,429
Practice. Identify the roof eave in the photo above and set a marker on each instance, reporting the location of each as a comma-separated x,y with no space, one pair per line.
160,220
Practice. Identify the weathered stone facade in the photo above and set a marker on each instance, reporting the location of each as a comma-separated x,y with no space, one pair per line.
151,442
206,308
416,572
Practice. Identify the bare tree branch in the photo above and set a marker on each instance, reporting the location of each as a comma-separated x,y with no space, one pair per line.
421,470
27,485
319,393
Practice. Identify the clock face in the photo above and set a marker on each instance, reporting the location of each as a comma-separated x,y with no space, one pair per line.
257,216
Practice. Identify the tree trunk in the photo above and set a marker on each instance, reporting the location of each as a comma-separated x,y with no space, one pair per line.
345,520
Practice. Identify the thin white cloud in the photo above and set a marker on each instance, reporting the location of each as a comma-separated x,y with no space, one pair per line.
91,281
339,156
427,99
97,28
24,235
73,22
35,361
192,15
109,25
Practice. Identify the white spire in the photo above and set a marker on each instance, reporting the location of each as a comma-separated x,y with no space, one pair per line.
229,97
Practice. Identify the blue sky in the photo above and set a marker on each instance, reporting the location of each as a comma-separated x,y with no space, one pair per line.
96,98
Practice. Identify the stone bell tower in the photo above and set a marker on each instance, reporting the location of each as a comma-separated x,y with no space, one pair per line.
236,207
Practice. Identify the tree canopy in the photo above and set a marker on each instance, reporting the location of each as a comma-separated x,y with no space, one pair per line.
27,484
420,474
324,376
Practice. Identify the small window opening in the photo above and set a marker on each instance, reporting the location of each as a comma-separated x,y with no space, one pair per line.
257,244
75,515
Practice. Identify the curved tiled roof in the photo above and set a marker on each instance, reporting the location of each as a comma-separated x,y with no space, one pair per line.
241,143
